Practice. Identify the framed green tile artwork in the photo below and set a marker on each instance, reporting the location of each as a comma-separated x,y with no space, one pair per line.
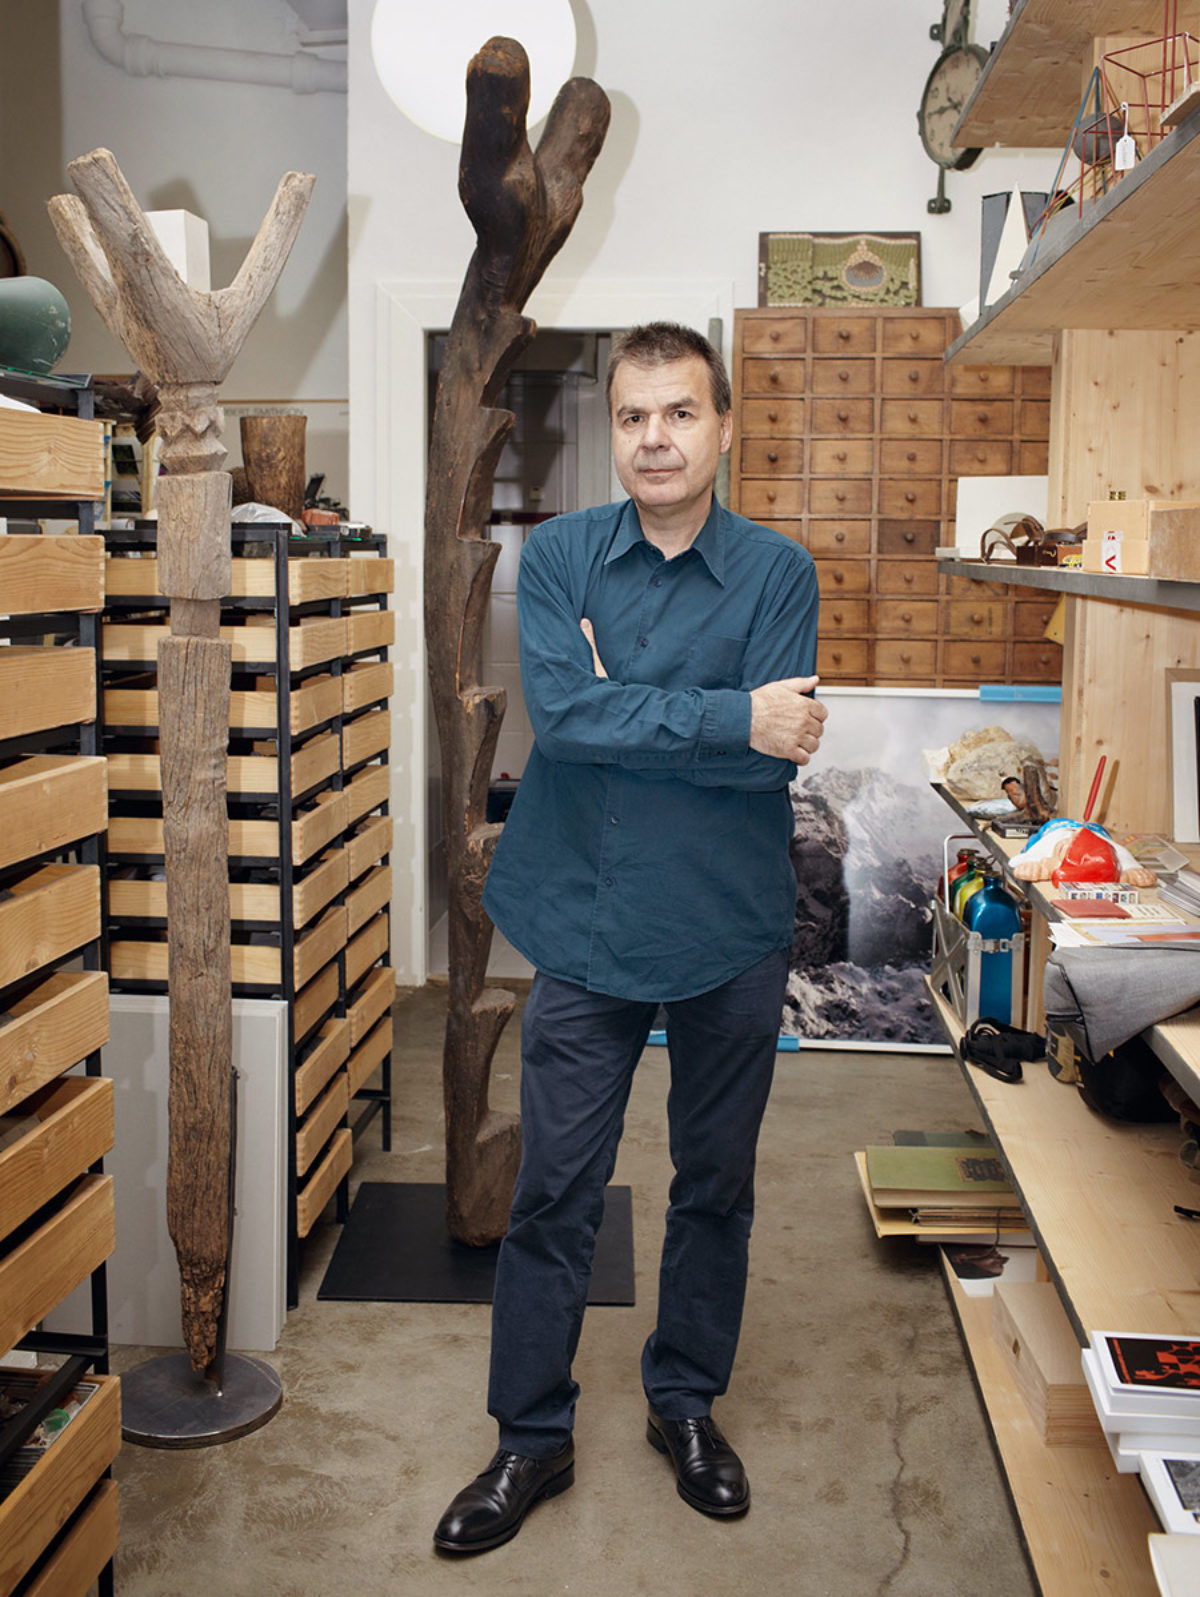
839,268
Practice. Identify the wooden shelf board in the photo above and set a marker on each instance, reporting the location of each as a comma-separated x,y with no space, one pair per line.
1131,261
1084,1525
1156,591
1100,1198
1033,82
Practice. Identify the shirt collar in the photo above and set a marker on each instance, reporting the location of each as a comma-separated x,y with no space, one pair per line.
709,542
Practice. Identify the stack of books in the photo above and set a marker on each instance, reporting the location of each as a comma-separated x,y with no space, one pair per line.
946,1188
1183,891
1147,1395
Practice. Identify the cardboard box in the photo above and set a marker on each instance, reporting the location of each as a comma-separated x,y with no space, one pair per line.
1159,538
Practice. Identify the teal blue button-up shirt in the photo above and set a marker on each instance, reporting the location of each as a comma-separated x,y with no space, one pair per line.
646,851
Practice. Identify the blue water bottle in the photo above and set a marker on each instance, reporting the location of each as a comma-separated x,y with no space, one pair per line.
995,915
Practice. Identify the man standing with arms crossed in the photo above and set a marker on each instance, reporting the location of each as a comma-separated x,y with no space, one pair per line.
667,648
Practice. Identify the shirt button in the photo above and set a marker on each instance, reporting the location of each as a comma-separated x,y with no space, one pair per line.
608,881
613,821
656,583
643,642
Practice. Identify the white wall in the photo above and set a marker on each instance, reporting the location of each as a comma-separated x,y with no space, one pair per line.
727,121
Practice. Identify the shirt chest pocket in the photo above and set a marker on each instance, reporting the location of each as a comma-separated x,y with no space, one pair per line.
714,661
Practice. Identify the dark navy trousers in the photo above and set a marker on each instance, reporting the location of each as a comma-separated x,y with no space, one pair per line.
579,1051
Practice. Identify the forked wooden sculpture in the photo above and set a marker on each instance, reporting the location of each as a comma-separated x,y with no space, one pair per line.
522,206
185,342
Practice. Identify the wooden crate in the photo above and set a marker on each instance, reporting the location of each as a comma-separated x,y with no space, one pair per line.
47,915
321,1123
45,686
50,457
369,629
137,898
374,998
74,1129
321,1185
51,1262
136,577
311,893
311,641
41,1503
366,682
314,762
369,945
372,894
371,575
366,737
368,843
40,574
314,1001
366,792
58,1023
250,964
319,945
313,829
369,1055
310,704
329,1052
48,801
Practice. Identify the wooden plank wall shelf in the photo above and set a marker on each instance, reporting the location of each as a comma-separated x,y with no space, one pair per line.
58,1522
309,829
850,436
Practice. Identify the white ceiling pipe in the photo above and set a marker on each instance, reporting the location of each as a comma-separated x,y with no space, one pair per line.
143,57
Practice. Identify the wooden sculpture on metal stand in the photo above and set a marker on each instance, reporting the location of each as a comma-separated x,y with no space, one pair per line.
522,206
184,342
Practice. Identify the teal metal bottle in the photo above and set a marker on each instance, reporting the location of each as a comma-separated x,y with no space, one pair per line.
994,914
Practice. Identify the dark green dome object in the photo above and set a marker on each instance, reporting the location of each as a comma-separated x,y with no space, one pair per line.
35,325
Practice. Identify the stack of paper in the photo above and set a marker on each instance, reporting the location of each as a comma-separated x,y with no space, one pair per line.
1183,891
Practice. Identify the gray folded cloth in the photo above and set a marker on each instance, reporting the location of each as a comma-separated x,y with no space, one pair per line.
1114,993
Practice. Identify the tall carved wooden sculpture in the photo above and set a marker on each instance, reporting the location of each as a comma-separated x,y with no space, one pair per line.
522,206
185,342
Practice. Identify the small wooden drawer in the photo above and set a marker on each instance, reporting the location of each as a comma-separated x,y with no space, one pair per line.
42,1502
74,1130
982,457
323,942
913,496
764,457
981,382
46,574
312,763
1037,662
837,457
321,1122
308,579
314,1002
373,999
1034,417
48,801
362,739
964,659
370,629
52,1260
250,964
843,657
371,574
836,577
833,418
968,588
46,916
914,335
910,457
1033,459
776,335
840,496
50,457
784,497
839,537
372,894
1035,381
329,1052
916,377
911,418
141,836
49,1029
366,682
139,898
1032,617
898,618
321,1185
45,686
366,792
843,377
844,335
905,657
846,616
313,829
369,1055
907,537
363,950
773,418
785,529
773,376
368,844
983,420
981,619
324,882
914,577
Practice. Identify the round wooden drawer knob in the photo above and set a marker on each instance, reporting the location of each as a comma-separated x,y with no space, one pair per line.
914,377
772,415
839,537
982,417
774,375
906,617
843,333
843,415
908,576
843,377
837,617
837,657
774,335
771,496
906,658
840,496
914,335
911,455
977,619
839,576
773,455
983,377
841,455
910,537
912,415
980,456
910,498
976,659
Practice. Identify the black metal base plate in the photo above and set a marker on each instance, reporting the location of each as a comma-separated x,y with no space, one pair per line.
395,1248
164,1403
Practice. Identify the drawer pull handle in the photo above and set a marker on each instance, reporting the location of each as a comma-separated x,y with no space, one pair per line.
839,576
910,537
837,616
908,576
843,333
977,619
906,658
837,657
774,375
840,496
906,617
975,659
843,415
839,537
843,377
774,335
772,415
770,496
914,376
910,498
841,455
911,455
979,455
772,455
981,416
912,415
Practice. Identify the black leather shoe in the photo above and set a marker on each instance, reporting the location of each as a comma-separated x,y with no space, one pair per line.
489,1511
708,1473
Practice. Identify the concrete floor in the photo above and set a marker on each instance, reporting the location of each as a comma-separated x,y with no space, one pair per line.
852,1405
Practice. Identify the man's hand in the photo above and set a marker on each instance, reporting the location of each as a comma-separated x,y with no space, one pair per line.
585,626
784,722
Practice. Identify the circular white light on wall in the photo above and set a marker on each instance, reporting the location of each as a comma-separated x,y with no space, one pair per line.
421,53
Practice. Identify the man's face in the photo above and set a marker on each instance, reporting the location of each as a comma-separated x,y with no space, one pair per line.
667,436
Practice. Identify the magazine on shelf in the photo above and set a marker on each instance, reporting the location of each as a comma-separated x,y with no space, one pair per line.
1173,1485
1149,1427
1143,1373
977,1267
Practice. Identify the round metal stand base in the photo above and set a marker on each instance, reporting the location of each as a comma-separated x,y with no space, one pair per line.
165,1403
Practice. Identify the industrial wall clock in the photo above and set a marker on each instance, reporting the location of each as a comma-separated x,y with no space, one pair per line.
947,89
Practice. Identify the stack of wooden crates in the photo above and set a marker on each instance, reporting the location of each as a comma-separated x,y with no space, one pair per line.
58,1519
